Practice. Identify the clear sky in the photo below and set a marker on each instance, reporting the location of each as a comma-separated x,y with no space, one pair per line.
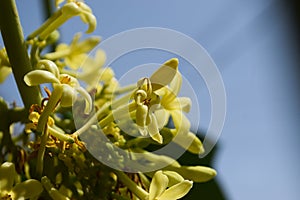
252,44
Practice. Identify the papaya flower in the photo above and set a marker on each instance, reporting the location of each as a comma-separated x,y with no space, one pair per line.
29,189
70,9
147,101
75,54
65,89
161,189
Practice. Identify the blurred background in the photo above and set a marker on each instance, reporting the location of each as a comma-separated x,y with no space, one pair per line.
255,45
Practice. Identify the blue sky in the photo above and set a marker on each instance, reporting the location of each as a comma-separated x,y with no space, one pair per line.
251,43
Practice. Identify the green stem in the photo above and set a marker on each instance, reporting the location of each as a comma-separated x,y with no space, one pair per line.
92,120
41,153
51,104
12,35
138,191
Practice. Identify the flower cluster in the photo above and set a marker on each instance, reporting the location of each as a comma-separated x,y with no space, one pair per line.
55,162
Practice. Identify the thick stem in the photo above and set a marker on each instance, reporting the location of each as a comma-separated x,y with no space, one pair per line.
12,35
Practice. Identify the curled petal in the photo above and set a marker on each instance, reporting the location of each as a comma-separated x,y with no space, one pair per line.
68,96
173,177
49,66
27,189
89,19
141,115
165,74
158,185
7,176
88,99
37,77
177,191
70,9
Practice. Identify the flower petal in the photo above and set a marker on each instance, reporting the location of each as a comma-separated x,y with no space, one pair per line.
153,129
141,115
162,117
37,77
197,174
27,189
49,66
190,142
181,103
88,99
181,122
158,185
164,75
7,176
68,96
177,191
173,177
176,83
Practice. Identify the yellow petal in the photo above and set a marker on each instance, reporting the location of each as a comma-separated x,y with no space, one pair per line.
49,66
68,96
158,185
162,117
70,9
181,122
89,19
165,74
190,142
88,99
181,103
195,173
86,45
173,177
27,189
141,115
7,176
176,83
76,60
153,129
177,191
37,77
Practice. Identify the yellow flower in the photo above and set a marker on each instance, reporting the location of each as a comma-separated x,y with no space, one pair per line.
29,189
68,10
75,54
147,101
67,85
161,189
